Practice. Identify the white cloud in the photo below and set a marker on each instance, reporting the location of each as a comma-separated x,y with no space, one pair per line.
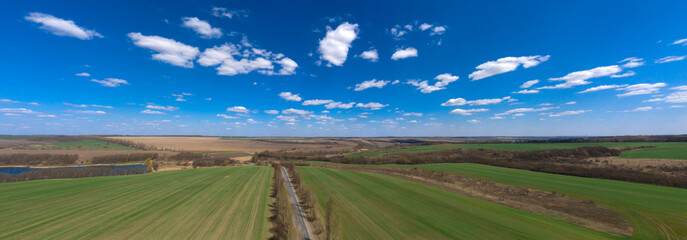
273,112
680,41
680,88
413,114
569,113
473,121
238,109
61,27
676,97
159,107
169,51
201,27
404,53
506,64
180,97
288,96
295,111
288,67
478,102
250,60
371,83
425,26
339,105
670,59
602,87
250,120
370,55
334,46
438,30
148,111
497,117
571,103
371,105
226,116
286,118
626,74
639,109
223,12
8,101
88,112
444,80
529,83
632,62
527,91
467,112
110,82
47,116
581,77
640,89
316,102
524,110
83,74
16,110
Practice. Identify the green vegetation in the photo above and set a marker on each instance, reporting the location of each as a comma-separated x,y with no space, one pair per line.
89,144
663,150
214,203
655,212
375,206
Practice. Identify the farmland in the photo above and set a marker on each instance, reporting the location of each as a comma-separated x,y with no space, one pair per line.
209,203
662,150
89,145
374,206
240,144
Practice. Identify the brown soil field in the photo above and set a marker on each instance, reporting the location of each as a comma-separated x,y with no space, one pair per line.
7,143
85,156
241,145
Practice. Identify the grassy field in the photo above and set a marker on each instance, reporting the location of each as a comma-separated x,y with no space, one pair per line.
664,150
375,206
89,145
213,203
655,212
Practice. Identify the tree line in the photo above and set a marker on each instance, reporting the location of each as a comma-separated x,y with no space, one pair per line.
123,158
283,226
50,173
38,159
123,142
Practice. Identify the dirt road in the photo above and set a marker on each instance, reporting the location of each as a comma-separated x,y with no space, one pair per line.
300,217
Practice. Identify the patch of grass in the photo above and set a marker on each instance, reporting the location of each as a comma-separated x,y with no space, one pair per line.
663,150
655,212
376,206
212,203
90,145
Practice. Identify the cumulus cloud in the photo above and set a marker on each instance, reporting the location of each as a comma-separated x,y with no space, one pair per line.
527,91
632,62
506,64
16,110
334,46
467,112
227,116
148,111
111,82
680,41
339,105
159,107
371,83
602,87
438,30
169,51
316,102
639,109
622,75
425,26
8,101
273,112
87,112
641,89
371,105
676,97
288,96
524,110
529,83
83,74
201,27
443,81
478,102
404,53
413,114
670,59
236,59
580,77
61,27
576,112
370,55
295,111
238,109
224,12
180,97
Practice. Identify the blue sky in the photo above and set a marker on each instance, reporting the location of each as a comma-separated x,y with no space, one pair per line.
346,68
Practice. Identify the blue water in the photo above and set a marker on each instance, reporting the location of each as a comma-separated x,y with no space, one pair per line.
18,170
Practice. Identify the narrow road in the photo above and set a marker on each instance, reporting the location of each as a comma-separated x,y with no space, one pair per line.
300,217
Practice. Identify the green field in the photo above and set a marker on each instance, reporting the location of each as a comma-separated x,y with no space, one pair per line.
663,150
375,206
654,211
89,145
213,203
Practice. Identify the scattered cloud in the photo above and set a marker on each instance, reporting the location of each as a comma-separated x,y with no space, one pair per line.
524,110
169,51
201,27
17,110
61,27
413,114
87,112
473,121
640,89
676,97
602,87
580,77
223,12
111,82
569,113
639,109
371,105
334,46
529,83
506,64
371,83
236,59
339,105
316,102
148,111
238,109
478,102
8,101
288,96
273,112
443,81
632,62
467,112
571,103
370,55
683,42
227,116
83,74
527,91
295,111
159,107
670,59
622,75
404,53
180,97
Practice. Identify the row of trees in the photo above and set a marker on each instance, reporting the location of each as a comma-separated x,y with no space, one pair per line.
38,159
123,142
50,173
283,226
212,162
123,158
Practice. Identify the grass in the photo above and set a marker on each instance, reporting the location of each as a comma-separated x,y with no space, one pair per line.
662,150
654,211
90,145
375,206
212,203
